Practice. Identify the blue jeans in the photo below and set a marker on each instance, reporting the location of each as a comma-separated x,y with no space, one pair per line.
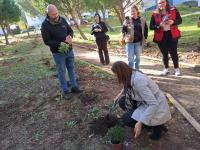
63,61
133,51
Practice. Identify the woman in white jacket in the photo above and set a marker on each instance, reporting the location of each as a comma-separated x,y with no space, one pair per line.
145,104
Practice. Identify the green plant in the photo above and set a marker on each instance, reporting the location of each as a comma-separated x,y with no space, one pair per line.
94,112
71,124
116,134
64,47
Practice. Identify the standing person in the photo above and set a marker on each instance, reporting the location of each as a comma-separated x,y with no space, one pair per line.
164,22
137,31
98,30
145,104
56,32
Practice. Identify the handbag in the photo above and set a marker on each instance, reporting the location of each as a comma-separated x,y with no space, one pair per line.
122,40
127,101
129,36
107,37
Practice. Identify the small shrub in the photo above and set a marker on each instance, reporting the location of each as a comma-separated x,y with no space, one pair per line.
71,124
94,113
116,134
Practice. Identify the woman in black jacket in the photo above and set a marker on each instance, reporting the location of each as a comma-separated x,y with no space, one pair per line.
98,30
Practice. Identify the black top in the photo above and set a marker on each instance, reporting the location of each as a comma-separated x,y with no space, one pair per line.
137,30
54,34
101,25
177,21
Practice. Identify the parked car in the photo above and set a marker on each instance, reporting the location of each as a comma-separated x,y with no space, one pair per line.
31,28
15,29
84,21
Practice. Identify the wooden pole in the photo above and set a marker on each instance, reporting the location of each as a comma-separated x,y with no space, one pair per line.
191,120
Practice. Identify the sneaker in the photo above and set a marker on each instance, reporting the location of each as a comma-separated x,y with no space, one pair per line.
75,90
66,95
177,72
165,72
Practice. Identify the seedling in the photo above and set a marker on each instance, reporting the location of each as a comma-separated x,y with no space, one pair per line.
94,112
116,134
71,124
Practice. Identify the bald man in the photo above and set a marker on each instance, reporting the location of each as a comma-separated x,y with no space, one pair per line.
55,30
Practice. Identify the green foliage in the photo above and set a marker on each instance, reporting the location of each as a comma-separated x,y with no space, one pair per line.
64,48
71,124
28,7
94,113
116,134
43,115
20,48
183,9
9,12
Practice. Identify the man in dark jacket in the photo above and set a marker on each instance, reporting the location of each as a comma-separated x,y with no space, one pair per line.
56,32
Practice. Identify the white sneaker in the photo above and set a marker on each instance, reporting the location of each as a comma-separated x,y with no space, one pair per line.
165,72
177,72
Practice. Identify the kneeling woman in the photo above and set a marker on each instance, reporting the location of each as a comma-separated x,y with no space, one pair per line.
145,104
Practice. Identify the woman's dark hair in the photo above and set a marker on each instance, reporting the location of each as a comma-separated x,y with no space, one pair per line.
127,18
97,14
167,7
123,72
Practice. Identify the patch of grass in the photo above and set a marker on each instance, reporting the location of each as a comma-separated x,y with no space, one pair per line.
24,47
44,115
94,112
38,135
183,9
71,123
22,78
97,71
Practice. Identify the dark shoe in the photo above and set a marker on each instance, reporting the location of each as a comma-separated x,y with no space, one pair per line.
103,63
75,90
156,135
164,128
66,95
107,63
68,83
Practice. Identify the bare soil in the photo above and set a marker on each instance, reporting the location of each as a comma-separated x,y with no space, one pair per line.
34,116
43,120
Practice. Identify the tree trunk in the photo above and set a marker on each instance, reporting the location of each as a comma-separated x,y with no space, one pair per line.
104,19
27,29
77,25
121,10
118,15
5,35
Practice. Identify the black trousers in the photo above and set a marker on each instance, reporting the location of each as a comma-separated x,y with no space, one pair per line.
166,46
103,51
130,122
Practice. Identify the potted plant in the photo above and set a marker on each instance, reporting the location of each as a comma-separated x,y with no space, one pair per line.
116,135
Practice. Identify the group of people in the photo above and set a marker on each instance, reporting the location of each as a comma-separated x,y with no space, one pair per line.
164,22
144,103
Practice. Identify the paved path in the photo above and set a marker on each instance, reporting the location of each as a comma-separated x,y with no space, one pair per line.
190,14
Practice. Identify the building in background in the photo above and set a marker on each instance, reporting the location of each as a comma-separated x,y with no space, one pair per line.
151,4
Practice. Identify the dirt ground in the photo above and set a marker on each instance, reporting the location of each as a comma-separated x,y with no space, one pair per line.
34,116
